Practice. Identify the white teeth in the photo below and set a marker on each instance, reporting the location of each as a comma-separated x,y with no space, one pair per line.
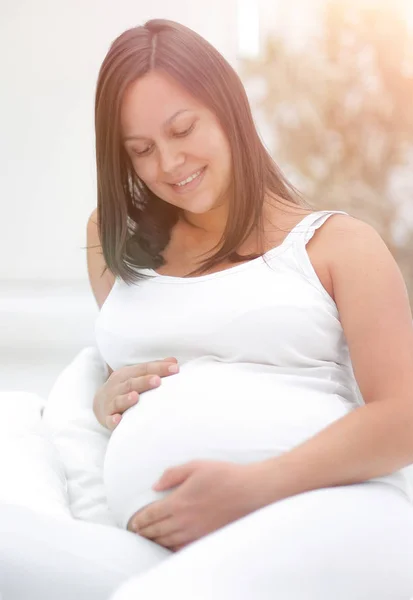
189,179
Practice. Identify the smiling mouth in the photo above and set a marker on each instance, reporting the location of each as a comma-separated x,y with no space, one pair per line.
189,179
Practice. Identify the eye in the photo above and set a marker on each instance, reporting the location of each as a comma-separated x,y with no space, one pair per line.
186,132
143,152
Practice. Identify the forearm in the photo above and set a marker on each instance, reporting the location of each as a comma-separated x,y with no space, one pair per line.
372,441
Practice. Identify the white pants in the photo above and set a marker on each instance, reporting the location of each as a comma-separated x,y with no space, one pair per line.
347,543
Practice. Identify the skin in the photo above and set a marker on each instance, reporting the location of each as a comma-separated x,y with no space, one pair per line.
124,386
174,149
355,268
168,136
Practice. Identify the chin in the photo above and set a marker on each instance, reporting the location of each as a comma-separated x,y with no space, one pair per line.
198,206
199,210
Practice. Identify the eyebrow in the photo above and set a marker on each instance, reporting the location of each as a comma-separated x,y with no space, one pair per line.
167,122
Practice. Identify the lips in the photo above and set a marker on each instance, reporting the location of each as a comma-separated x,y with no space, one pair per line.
191,186
198,172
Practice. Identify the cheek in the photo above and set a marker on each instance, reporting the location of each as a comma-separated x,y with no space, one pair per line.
146,170
211,143
220,152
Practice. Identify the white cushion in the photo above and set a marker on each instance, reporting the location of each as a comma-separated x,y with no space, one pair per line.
31,473
79,438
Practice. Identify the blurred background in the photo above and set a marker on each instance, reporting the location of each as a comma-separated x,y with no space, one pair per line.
331,88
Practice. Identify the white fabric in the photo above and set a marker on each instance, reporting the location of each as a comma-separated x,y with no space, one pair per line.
351,542
264,366
344,542
48,558
347,543
31,474
77,435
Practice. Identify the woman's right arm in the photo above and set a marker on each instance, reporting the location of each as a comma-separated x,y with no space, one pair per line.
122,388
100,284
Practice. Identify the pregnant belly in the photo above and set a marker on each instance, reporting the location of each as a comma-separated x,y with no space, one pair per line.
216,413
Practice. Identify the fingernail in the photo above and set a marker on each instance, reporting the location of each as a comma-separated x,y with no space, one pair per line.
173,369
155,380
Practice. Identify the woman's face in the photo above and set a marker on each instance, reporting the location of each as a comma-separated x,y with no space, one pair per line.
176,145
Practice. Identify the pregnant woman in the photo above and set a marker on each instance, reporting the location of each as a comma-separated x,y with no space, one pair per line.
291,415
270,463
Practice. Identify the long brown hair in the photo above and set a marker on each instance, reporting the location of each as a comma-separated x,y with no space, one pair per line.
134,224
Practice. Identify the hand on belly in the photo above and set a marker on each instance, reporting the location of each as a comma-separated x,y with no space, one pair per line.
188,419
207,496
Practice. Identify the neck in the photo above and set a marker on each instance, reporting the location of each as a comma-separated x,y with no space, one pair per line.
211,223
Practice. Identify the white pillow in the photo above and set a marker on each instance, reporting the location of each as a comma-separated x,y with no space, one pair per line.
31,474
79,438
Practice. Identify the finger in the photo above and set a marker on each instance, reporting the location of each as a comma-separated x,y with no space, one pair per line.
156,367
170,359
175,476
129,391
134,524
124,396
150,514
175,541
139,384
112,421
162,529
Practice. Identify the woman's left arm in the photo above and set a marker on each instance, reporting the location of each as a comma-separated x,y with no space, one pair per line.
373,440
377,438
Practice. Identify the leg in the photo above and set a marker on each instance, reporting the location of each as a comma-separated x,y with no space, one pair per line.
344,543
44,558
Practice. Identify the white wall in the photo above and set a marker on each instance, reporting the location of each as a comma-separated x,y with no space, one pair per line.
50,54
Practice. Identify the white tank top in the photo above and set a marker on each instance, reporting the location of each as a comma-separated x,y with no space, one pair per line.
264,365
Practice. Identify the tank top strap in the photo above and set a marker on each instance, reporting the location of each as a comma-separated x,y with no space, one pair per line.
304,230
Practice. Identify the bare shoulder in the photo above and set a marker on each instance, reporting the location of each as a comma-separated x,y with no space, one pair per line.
100,278
346,238
358,260
92,222
346,248
373,304
346,229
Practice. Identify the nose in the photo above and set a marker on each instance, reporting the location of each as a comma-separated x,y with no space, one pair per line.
170,158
